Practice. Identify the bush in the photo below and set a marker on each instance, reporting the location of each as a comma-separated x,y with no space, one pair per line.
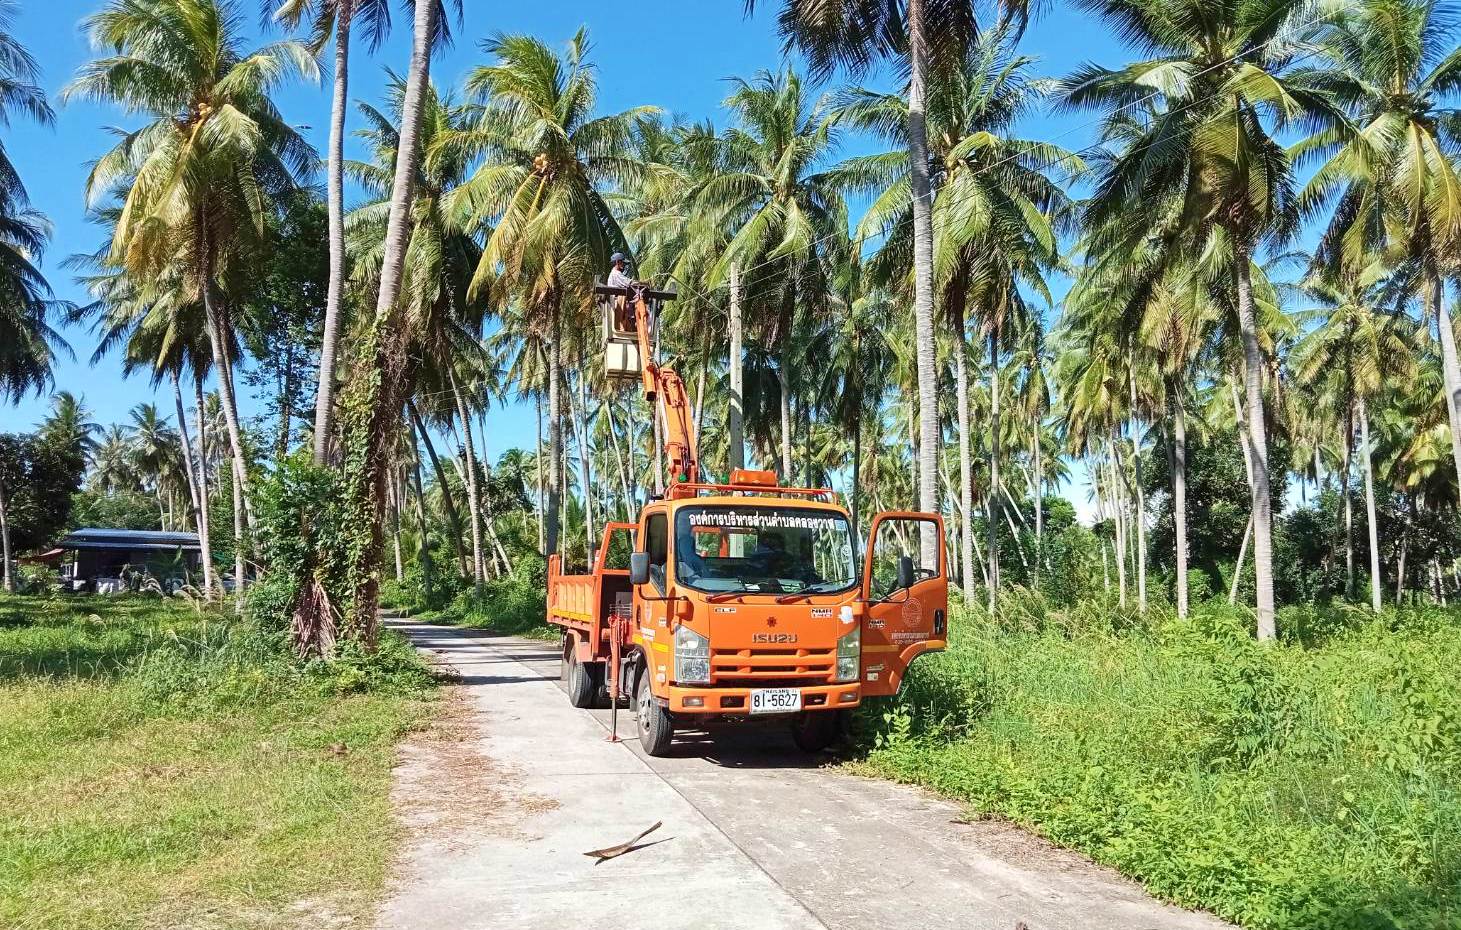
38,579
1314,783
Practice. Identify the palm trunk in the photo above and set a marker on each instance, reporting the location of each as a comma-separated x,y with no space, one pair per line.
554,478
1038,494
927,363
222,368
992,524
735,428
335,204
1242,557
7,578
538,466
240,567
1258,448
1400,565
1450,367
1118,512
205,531
452,517
474,507
628,507
1348,508
784,374
580,428
966,465
397,501
425,556
195,490
1374,530
1139,495
1179,497
385,387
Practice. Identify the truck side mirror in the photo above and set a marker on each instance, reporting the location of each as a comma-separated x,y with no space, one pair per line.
639,568
905,572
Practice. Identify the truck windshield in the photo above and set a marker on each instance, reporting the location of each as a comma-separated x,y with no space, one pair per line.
768,550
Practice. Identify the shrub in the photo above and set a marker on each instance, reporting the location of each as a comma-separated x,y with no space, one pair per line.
1305,785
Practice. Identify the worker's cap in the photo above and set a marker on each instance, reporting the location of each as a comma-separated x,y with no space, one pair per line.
617,257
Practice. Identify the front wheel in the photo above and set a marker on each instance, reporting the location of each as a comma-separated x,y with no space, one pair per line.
656,726
815,731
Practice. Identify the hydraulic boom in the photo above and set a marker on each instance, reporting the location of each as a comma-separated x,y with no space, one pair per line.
662,386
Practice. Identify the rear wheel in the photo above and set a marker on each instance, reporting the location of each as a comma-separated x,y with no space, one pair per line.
656,726
583,687
816,731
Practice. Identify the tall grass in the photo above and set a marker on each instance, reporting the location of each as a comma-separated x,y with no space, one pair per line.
165,767
1311,784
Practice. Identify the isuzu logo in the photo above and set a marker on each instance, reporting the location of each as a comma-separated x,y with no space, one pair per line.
773,637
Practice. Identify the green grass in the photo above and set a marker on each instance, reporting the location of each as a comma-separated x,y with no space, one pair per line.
161,767
1313,786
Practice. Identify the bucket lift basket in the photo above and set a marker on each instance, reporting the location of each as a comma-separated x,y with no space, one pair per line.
622,360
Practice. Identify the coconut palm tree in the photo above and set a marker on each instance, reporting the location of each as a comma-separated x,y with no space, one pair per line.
112,465
934,37
1394,65
996,214
375,422
440,321
162,332
1348,360
779,206
28,343
69,424
1201,171
540,194
212,157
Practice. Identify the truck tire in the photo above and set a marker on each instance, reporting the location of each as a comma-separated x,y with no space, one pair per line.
583,688
815,731
656,726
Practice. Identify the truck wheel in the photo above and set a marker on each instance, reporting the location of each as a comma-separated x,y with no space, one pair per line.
815,731
656,727
583,690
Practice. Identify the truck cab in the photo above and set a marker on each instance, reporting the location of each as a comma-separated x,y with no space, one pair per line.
749,601
745,600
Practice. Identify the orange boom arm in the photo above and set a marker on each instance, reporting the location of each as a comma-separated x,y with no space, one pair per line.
667,386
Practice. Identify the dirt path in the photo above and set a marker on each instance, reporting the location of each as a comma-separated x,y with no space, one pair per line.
503,800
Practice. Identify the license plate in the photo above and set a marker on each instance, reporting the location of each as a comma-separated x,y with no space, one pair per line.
776,701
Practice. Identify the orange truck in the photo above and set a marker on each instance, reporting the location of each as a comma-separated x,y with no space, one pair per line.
741,601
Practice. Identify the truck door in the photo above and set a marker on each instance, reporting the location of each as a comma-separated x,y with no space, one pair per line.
902,621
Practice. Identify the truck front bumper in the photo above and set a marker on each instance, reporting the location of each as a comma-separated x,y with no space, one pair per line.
712,699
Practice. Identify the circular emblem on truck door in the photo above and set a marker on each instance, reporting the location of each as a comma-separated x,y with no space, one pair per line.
912,613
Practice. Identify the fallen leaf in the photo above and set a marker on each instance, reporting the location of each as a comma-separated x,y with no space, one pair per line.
612,852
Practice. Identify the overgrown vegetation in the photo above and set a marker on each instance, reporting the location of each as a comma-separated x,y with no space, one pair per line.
1313,784
512,605
165,767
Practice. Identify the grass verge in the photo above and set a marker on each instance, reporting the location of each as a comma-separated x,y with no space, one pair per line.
162,767
1310,785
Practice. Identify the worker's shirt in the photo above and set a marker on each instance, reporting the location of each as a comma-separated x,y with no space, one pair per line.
618,278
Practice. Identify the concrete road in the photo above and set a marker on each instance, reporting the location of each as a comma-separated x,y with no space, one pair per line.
501,810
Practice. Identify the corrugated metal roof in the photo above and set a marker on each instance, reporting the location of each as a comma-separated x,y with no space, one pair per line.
152,540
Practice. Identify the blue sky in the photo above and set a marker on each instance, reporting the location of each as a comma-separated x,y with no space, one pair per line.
672,54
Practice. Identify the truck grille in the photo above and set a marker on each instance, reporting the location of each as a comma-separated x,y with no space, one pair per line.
772,667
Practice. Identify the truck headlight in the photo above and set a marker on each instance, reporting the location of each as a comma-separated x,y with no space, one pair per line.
849,654
692,656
